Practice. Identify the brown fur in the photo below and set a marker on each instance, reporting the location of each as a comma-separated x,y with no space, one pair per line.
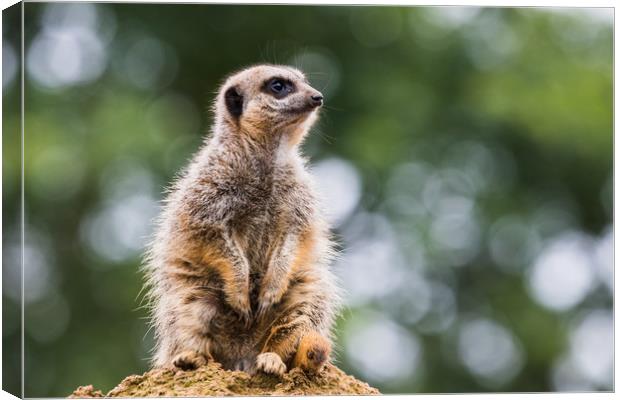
312,353
238,270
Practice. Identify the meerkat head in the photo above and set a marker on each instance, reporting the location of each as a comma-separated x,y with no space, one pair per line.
268,100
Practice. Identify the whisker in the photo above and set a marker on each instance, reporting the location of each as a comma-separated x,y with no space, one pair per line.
332,108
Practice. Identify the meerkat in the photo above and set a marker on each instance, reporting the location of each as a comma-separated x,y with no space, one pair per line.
239,268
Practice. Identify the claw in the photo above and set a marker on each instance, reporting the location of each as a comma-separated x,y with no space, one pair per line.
245,316
247,319
241,306
260,312
270,363
263,307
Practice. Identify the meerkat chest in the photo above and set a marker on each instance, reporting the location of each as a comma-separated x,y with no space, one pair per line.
287,209
292,199
282,198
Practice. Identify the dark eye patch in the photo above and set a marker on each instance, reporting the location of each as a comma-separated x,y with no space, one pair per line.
278,87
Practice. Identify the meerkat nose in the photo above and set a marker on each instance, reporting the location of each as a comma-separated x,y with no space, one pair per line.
316,99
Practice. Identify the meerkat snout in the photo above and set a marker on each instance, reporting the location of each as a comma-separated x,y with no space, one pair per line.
317,99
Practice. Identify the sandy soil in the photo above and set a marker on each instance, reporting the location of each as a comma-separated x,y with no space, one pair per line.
212,380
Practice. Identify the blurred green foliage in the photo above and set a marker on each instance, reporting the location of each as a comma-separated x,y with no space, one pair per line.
476,146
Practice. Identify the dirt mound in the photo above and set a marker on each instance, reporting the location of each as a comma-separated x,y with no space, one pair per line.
212,380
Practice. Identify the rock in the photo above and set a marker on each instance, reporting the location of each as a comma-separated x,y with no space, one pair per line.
212,380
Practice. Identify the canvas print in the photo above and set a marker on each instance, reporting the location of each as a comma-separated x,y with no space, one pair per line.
237,200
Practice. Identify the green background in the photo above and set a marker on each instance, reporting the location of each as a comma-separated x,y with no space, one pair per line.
465,154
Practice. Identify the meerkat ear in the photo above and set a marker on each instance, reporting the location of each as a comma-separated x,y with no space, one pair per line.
234,102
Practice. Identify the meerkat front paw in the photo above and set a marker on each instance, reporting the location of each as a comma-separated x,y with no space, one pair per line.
270,363
265,302
241,304
313,352
188,360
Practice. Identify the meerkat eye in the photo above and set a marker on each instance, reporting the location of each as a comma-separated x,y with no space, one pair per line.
277,86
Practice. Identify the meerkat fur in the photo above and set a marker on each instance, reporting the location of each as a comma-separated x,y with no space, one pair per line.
238,270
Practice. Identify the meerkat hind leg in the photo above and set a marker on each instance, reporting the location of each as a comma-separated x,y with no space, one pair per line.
188,360
313,352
